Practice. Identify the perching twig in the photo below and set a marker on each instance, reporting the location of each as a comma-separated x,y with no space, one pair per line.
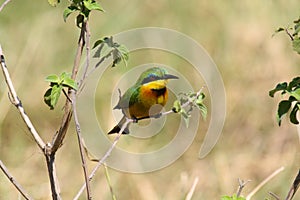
4,4
14,182
264,182
192,190
108,152
16,102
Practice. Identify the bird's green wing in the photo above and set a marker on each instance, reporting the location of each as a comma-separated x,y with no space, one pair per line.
129,98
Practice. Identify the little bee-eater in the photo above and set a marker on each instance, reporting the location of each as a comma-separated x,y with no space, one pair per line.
150,89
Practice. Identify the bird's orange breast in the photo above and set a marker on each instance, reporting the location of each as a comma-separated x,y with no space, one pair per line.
149,95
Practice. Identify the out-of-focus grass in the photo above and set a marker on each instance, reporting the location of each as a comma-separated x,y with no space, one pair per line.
236,34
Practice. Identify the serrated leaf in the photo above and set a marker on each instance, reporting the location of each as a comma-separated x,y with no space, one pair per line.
53,2
92,5
53,78
293,114
279,87
176,106
70,83
283,108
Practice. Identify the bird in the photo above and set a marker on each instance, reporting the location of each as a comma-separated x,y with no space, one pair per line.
149,90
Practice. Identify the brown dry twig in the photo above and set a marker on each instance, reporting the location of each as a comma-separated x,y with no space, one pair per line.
266,180
4,4
294,187
14,182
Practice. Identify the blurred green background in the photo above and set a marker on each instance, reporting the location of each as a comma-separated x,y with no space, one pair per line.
238,37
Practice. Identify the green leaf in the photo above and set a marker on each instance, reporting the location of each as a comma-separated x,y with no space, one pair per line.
52,95
293,114
53,78
53,2
92,5
226,198
97,43
294,83
203,110
47,98
176,106
69,10
283,108
296,44
279,87
296,94
70,83
297,26
55,94
121,53
185,116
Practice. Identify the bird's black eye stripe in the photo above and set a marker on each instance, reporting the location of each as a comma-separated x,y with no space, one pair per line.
160,91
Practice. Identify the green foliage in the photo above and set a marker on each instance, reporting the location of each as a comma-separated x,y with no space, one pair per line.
293,33
292,89
53,2
83,7
233,197
187,102
107,47
57,83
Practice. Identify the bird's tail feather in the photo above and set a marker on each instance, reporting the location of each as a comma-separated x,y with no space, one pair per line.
118,127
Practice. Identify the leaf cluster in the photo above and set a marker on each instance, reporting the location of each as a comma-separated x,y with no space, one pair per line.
106,47
293,33
292,89
57,84
83,7
187,102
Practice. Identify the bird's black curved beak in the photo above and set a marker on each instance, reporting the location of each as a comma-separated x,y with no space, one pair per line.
170,76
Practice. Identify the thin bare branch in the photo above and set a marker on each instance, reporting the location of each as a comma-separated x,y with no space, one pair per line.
242,184
274,195
113,196
294,187
106,155
192,190
16,102
4,4
81,147
57,140
55,189
257,188
14,182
